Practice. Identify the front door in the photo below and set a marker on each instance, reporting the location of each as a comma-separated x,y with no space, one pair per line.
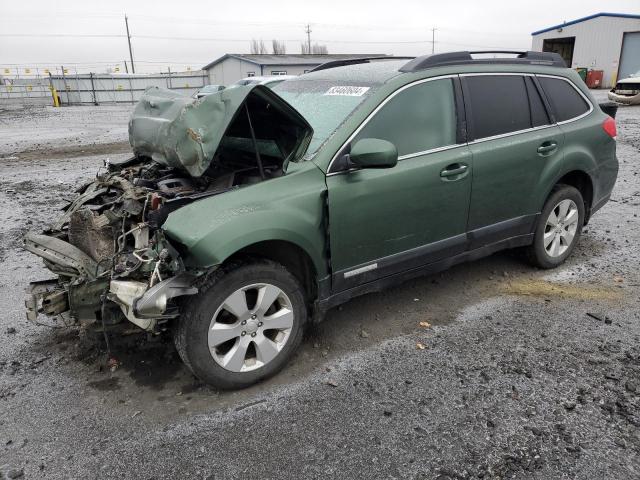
383,221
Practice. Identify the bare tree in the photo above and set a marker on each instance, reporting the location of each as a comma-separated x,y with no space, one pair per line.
319,49
279,48
257,47
316,49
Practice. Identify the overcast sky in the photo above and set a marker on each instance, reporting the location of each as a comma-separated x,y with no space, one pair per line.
89,35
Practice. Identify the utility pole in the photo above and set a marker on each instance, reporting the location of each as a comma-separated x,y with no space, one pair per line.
308,32
126,22
433,40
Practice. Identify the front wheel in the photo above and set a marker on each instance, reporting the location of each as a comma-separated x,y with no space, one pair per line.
243,326
558,228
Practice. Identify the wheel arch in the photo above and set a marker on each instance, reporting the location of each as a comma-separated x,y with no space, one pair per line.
288,254
583,182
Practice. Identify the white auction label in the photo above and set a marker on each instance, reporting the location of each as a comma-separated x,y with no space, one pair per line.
347,90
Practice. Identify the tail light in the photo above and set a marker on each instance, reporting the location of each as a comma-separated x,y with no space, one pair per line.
609,126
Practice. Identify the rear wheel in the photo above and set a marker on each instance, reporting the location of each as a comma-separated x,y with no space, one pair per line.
243,326
558,228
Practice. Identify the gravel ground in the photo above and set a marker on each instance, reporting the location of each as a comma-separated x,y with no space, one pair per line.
514,380
77,130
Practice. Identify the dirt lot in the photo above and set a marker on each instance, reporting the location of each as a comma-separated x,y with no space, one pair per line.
516,379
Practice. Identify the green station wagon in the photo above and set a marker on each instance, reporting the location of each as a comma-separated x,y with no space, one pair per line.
245,215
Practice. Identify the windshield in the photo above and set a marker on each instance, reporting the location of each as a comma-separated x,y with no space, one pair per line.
325,104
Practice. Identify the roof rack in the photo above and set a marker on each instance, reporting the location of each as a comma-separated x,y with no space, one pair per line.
354,61
456,58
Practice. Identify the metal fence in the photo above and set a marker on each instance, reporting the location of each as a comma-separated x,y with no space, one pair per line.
28,94
97,89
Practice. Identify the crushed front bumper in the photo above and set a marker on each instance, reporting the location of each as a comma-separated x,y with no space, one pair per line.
85,294
45,297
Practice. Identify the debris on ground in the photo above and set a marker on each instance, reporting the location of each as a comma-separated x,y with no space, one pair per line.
600,318
425,324
113,364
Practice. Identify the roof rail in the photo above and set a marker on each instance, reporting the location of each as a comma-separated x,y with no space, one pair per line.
354,61
456,58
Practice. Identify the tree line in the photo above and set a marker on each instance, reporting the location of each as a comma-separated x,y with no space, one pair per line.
258,47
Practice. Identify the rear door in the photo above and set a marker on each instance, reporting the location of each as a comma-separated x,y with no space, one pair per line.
384,221
514,142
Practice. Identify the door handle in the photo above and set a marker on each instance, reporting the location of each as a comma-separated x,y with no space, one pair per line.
547,147
453,170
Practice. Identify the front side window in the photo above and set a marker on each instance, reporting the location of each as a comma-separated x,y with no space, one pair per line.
566,102
499,104
420,118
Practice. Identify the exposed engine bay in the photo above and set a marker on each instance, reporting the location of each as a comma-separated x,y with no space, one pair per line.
111,232
111,257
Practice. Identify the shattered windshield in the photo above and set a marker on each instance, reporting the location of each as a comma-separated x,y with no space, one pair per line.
325,104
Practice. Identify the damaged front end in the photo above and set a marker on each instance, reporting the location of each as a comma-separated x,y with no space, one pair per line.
112,259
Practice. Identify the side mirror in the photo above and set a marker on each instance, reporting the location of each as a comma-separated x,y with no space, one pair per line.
373,153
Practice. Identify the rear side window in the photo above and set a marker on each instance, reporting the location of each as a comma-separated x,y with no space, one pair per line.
539,116
499,104
420,118
566,102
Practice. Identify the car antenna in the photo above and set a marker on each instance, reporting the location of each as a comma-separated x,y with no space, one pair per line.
255,142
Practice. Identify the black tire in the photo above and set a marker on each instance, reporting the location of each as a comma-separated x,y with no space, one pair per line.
191,332
537,253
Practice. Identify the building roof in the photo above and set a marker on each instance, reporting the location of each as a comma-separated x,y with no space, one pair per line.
584,19
299,59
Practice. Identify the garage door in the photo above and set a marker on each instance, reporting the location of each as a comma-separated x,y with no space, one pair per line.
630,56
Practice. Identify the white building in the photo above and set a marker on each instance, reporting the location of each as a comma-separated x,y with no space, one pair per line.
604,41
232,67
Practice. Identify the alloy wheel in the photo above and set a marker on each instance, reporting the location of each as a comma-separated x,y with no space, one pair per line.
560,229
251,327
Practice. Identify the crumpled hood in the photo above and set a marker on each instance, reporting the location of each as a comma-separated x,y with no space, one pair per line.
184,132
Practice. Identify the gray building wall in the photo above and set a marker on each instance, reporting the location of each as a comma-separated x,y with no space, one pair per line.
231,69
597,45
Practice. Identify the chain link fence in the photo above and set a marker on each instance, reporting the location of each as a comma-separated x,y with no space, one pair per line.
95,89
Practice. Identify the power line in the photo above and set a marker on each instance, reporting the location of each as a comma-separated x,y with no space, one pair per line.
365,42
173,20
202,39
